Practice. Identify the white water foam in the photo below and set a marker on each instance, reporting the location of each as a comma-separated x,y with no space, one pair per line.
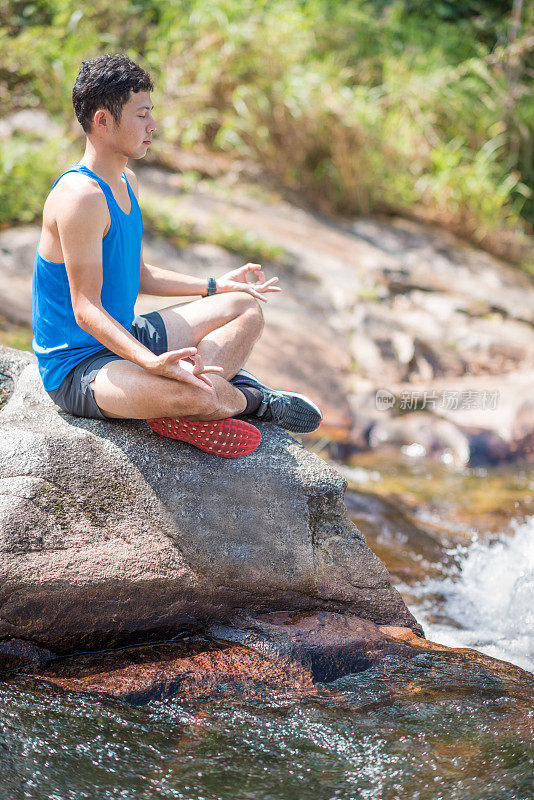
489,600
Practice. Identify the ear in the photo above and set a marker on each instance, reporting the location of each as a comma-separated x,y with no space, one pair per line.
101,119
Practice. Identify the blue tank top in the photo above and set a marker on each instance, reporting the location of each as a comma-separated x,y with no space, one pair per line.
58,341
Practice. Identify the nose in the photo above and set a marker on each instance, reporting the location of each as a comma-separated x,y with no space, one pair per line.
151,127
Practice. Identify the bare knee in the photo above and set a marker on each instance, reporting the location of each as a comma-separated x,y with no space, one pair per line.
251,313
254,319
242,302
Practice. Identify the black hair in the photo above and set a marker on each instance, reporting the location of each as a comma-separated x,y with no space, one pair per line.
106,82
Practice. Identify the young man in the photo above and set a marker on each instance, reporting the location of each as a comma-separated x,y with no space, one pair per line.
179,368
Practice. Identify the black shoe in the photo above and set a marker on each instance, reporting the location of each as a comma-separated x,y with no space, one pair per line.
289,410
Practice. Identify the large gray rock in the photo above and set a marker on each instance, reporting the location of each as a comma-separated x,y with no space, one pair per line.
109,532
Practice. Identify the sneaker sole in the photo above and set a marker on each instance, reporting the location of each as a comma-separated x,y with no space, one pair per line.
226,438
306,417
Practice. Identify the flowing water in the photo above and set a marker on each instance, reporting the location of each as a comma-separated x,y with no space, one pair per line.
459,547
461,550
487,602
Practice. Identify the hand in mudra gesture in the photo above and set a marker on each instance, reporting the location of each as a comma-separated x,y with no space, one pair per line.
237,281
173,364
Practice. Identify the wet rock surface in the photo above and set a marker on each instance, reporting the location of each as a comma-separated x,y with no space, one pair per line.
18,654
331,645
288,652
190,670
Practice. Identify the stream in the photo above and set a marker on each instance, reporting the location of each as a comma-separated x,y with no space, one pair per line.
459,545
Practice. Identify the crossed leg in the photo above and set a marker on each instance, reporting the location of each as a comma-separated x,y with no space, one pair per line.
224,328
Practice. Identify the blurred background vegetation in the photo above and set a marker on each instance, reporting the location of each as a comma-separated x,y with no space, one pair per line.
418,107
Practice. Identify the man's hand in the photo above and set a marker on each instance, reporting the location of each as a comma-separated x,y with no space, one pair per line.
172,365
237,281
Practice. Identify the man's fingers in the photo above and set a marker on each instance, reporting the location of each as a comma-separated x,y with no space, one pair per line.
261,287
216,370
267,288
256,294
205,385
199,367
185,352
245,269
255,268
213,369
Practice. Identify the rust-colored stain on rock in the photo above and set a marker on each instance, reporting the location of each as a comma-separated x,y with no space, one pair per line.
156,672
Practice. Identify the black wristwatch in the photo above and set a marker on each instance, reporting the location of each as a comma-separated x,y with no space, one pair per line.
212,287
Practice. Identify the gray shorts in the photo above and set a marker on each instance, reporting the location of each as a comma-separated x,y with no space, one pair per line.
75,396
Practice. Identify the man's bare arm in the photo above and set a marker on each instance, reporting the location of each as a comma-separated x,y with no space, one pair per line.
81,228
165,283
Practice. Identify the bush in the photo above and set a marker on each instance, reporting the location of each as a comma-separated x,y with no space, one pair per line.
393,105
28,168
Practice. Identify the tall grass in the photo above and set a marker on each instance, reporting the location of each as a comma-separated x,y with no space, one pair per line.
414,108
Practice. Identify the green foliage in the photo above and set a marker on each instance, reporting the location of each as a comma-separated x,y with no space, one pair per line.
246,244
182,231
392,105
28,168
20,338
162,221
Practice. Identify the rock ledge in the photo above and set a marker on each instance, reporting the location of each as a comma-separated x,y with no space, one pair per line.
112,534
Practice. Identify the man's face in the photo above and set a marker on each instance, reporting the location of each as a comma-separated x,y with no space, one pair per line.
133,134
